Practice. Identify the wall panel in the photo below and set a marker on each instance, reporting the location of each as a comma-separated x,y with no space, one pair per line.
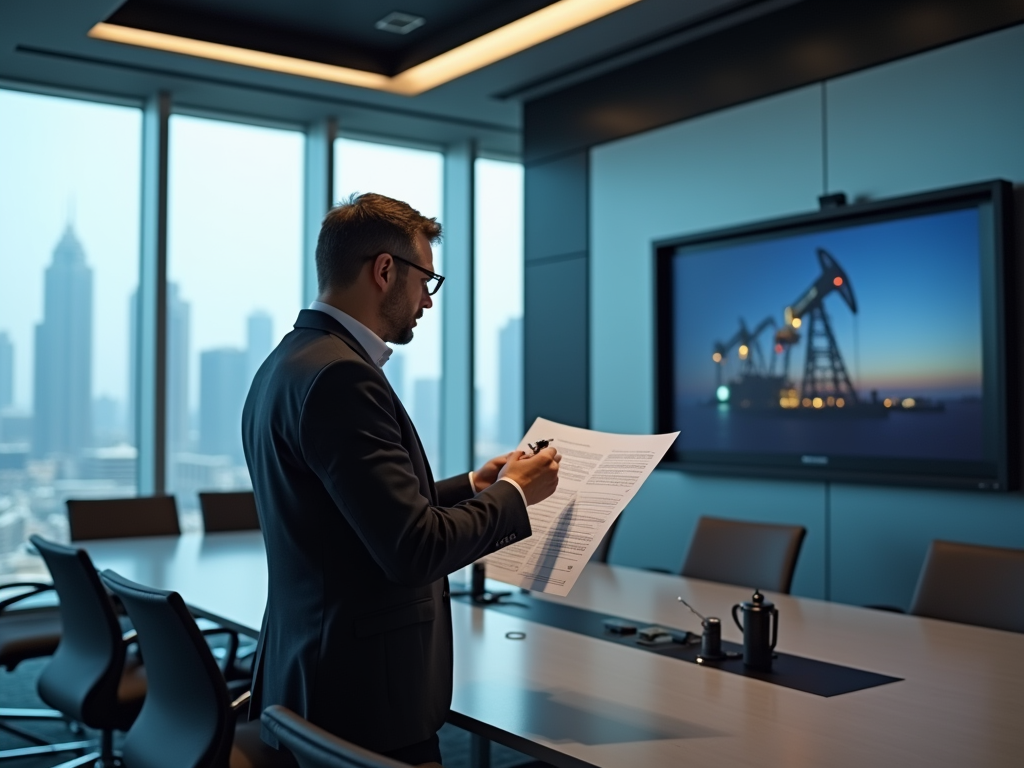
880,535
751,162
656,529
555,333
946,117
951,116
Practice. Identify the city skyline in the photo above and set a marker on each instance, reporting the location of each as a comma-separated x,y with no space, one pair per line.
234,282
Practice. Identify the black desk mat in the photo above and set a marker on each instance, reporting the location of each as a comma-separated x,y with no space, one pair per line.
797,672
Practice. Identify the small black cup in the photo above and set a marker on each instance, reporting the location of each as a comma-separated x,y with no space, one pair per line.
478,590
711,639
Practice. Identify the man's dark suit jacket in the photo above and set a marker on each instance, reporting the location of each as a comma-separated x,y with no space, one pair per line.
357,635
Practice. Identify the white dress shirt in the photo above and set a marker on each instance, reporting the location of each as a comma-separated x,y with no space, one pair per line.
379,352
374,345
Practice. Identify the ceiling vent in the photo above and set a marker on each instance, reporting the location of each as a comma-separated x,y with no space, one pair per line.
400,23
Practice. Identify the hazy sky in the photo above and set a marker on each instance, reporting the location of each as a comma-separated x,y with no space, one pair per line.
234,229
499,267
235,238
417,177
64,160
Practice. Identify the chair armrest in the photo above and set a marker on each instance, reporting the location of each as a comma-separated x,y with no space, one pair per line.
232,654
33,587
241,701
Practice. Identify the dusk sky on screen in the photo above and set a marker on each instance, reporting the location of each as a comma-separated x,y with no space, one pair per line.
918,291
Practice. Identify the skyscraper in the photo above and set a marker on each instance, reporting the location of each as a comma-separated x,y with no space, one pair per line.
62,402
178,325
259,340
222,388
6,371
510,383
178,319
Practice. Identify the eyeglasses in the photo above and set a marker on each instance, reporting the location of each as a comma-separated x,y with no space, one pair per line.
433,285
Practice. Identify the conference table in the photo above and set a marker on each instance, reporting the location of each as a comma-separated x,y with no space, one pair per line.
574,700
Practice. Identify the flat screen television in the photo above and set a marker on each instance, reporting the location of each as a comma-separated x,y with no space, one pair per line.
861,343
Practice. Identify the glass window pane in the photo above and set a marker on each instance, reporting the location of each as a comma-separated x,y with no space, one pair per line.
234,289
498,309
69,254
417,177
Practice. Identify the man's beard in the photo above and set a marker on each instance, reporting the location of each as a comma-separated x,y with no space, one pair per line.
398,319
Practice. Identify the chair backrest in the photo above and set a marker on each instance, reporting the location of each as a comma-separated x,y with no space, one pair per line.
604,547
232,511
313,747
973,585
122,518
755,555
81,679
185,720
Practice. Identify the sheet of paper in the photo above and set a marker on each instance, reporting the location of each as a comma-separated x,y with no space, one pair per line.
598,475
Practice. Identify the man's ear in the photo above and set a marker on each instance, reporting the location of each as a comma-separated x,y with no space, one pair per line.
383,270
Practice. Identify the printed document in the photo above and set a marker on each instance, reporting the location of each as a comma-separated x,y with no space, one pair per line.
598,476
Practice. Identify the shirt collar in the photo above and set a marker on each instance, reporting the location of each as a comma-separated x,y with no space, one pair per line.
375,347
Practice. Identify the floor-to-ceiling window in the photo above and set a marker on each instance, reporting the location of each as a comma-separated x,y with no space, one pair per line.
69,254
498,308
234,288
417,177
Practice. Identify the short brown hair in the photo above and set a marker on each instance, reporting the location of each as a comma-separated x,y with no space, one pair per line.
363,226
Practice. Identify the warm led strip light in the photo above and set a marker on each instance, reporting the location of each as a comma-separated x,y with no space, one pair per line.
551,21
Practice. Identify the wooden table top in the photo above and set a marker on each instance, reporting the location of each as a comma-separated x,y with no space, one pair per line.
574,700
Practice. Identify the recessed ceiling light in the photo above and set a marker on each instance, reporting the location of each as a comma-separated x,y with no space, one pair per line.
400,23
523,33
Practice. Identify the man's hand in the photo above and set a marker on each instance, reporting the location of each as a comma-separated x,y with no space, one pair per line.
487,475
536,475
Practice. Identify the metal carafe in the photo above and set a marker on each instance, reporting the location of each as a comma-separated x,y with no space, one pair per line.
760,622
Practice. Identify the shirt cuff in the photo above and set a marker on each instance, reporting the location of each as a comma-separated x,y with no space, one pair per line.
472,481
518,488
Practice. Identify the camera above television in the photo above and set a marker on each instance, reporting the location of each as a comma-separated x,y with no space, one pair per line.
861,343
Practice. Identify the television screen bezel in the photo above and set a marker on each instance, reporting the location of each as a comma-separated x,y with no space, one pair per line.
998,284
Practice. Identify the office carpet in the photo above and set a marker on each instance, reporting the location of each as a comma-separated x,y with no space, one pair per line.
18,689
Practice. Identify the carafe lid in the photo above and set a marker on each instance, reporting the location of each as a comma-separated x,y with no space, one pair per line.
757,603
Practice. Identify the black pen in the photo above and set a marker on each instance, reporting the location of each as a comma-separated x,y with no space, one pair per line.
540,446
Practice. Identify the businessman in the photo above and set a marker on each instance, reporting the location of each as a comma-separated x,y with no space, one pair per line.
357,634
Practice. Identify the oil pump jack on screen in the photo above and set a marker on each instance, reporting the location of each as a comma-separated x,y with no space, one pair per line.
826,385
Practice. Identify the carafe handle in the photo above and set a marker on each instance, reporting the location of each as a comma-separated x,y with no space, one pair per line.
775,627
735,617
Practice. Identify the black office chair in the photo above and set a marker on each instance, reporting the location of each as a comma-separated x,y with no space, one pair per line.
188,719
755,555
601,553
232,511
122,518
972,584
92,678
314,747
28,633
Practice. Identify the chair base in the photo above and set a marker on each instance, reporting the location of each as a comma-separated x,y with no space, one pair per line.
15,713
40,746
105,758
50,749
94,759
